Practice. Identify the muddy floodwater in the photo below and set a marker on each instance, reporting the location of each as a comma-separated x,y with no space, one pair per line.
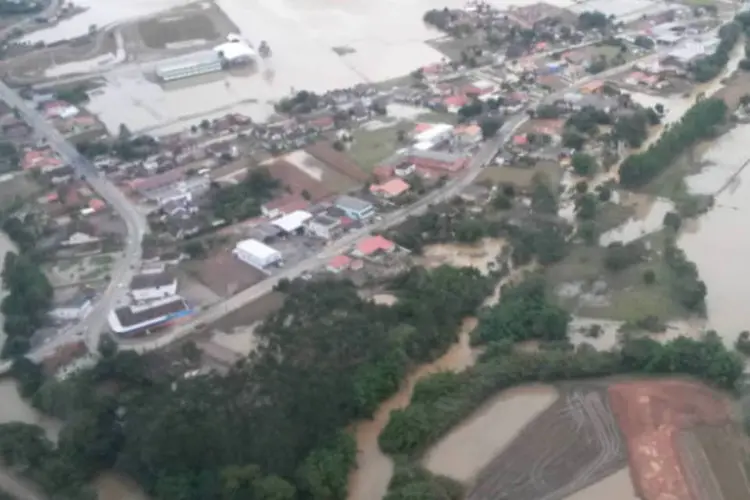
109,486
618,486
369,481
482,256
640,225
720,244
469,447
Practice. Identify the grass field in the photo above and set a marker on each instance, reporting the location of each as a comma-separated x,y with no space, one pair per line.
521,177
371,147
623,296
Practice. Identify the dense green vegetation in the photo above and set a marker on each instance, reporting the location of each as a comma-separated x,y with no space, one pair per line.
523,314
26,305
685,282
698,123
243,200
411,482
413,429
707,68
9,157
270,429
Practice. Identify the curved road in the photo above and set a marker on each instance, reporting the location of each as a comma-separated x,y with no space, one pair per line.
135,222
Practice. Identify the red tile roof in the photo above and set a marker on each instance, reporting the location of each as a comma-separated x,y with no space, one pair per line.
373,244
340,262
393,187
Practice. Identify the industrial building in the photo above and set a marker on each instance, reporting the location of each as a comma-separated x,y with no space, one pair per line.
136,319
256,254
205,62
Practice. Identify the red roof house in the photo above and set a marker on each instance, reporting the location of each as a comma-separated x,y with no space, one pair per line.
391,189
339,263
374,244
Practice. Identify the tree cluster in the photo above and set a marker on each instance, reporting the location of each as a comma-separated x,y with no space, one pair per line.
10,159
423,422
707,68
27,303
524,313
543,240
593,20
272,428
686,285
698,123
243,200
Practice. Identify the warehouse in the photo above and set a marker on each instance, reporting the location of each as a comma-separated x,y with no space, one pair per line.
199,63
257,254
293,222
152,286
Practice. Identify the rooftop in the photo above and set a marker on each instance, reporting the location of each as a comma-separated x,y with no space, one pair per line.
373,244
352,203
393,187
292,221
151,280
256,248
130,316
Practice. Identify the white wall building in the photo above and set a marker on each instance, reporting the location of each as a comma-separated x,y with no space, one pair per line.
256,254
153,286
75,309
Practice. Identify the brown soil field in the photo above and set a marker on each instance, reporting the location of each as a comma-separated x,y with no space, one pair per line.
224,274
574,443
653,414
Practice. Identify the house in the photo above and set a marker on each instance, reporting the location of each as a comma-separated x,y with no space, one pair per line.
153,286
354,207
79,238
74,309
468,134
455,102
40,158
391,189
284,205
592,87
59,109
440,161
97,205
324,226
339,263
383,172
434,134
171,185
293,222
373,245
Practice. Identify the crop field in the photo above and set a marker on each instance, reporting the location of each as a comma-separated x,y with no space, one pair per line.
573,444
674,433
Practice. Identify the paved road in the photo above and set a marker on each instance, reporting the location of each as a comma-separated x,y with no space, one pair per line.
137,226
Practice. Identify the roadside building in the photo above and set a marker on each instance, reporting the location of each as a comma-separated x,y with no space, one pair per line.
293,222
390,189
199,63
339,263
59,109
354,207
136,319
153,286
433,134
324,226
373,245
74,309
437,162
171,186
257,254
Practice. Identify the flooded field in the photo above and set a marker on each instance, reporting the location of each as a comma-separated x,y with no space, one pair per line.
648,219
369,481
387,40
483,255
720,244
474,443
615,487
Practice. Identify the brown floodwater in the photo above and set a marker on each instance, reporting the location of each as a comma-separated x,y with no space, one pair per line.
369,481
476,441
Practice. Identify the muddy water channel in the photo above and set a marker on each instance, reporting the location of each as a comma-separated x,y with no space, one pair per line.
720,243
109,486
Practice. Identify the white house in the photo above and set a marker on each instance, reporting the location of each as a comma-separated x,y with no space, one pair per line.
324,226
153,286
256,254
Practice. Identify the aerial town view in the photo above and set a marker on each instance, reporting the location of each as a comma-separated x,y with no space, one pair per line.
349,250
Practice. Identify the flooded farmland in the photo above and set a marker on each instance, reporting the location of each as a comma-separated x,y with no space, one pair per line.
618,486
474,443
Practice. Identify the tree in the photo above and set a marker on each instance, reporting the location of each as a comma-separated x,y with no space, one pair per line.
543,200
673,221
619,256
191,352
573,140
644,42
649,277
605,193
587,232
586,207
583,164
124,134
582,187
489,127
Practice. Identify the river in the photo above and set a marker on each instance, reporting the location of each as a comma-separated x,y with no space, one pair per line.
719,245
